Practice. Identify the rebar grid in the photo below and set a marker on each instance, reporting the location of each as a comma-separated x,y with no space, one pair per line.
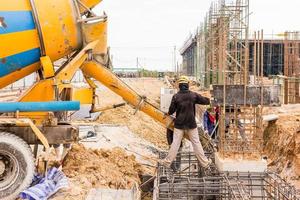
279,188
241,131
192,182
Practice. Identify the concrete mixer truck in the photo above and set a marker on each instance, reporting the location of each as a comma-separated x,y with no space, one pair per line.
34,34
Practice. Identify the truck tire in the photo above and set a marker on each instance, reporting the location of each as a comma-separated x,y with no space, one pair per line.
16,166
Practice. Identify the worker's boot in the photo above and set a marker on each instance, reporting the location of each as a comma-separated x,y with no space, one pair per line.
175,165
167,169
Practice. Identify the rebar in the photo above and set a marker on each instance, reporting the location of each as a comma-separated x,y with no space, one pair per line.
191,182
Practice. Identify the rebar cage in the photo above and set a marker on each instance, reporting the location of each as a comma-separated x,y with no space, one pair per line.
192,182
241,131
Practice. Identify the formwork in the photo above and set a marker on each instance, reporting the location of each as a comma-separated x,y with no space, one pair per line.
192,182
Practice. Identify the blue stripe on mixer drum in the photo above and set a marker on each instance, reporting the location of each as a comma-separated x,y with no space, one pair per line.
16,21
19,61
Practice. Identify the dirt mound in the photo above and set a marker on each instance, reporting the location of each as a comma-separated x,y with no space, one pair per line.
282,146
87,169
103,168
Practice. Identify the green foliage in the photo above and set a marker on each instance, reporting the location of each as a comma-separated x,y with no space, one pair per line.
149,73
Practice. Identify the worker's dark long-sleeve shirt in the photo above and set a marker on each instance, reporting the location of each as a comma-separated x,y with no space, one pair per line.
183,103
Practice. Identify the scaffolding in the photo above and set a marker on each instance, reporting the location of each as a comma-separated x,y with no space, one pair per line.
226,42
223,49
292,54
224,54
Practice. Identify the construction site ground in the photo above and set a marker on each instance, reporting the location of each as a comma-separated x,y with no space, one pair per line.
128,144
127,147
282,143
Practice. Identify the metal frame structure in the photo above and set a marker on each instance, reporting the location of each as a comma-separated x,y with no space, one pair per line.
291,54
192,182
241,132
221,49
226,29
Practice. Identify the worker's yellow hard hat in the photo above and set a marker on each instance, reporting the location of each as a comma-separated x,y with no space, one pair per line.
183,79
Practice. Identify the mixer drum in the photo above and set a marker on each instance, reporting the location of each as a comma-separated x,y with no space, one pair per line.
30,29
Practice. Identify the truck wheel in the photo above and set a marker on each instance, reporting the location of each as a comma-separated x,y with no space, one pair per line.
16,166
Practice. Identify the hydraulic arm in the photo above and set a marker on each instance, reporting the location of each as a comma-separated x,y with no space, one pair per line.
95,70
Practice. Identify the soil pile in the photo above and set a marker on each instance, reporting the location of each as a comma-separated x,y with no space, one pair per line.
149,87
282,146
103,168
87,169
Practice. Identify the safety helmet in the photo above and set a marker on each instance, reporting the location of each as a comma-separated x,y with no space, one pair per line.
183,79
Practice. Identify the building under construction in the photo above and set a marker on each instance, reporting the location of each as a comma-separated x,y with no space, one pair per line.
278,57
222,51
222,57
72,126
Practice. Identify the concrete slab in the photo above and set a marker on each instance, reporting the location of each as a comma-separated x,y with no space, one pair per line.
231,165
111,136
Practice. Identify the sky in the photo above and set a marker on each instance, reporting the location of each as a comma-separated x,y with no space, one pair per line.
149,30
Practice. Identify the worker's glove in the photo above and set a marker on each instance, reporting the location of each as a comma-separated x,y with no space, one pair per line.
206,132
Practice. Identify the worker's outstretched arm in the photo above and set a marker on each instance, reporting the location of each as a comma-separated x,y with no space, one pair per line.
202,100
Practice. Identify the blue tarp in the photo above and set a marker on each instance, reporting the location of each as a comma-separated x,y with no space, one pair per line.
43,187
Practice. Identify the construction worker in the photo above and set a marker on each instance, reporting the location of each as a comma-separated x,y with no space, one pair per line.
183,103
230,123
209,122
